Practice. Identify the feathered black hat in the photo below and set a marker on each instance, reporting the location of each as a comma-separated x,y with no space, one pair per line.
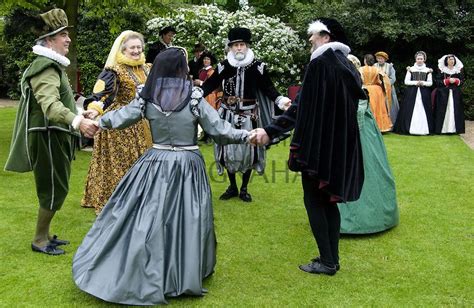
329,26
239,35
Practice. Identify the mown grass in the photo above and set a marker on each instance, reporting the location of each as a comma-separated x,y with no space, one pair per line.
426,261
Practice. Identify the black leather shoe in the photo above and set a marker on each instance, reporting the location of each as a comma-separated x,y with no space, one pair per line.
318,259
318,268
49,249
244,195
57,242
231,192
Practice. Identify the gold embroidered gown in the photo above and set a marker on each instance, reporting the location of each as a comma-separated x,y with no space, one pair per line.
380,98
115,151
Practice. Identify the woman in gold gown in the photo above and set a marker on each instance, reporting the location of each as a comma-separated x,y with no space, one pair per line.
115,151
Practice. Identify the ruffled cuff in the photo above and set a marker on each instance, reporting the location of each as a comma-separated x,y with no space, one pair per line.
280,101
77,121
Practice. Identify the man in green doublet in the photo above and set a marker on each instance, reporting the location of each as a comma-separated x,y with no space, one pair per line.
47,125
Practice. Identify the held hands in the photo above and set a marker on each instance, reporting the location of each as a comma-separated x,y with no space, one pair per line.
90,114
258,136
88,127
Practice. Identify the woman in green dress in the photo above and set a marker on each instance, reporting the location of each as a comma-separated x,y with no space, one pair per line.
376,210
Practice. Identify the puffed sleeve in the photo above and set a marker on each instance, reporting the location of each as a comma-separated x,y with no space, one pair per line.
265,84
429,80
220,130
104,90
125,116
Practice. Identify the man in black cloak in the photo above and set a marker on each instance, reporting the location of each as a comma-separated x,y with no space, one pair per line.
326,146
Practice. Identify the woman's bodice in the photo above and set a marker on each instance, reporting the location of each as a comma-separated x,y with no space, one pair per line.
177,128
174,128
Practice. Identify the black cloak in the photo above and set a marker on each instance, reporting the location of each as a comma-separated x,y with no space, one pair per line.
326,141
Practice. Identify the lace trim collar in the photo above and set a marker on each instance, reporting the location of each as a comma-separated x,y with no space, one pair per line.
456,68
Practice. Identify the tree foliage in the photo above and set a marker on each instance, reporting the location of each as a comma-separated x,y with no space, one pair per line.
398,27
272,41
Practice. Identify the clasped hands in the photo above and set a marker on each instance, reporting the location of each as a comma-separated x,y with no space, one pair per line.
89,126
258,136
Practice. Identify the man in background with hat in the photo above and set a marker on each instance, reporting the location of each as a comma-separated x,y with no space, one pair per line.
247,88
388,70
47,125
165,40
326,145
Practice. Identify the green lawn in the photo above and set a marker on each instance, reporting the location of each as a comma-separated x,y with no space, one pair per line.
426,261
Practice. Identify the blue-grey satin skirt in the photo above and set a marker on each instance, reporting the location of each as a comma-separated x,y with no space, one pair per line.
155,236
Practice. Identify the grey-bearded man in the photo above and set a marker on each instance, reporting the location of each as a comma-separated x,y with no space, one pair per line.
248,91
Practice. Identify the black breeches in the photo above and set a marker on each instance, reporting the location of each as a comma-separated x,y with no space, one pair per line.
324,219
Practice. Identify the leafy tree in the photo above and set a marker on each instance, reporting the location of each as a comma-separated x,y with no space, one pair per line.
16,54
273,42
398,27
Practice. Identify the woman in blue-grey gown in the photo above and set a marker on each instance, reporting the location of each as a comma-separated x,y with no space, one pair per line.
155,237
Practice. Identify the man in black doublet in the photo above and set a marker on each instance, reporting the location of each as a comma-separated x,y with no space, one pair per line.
246,102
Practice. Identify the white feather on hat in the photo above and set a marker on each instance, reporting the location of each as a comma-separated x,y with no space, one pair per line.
317,26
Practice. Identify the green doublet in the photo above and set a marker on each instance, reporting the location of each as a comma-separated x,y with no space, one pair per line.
40,144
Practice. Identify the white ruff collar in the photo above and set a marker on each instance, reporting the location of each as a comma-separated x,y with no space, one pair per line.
51,54
420,68
242,63
444,69
334,46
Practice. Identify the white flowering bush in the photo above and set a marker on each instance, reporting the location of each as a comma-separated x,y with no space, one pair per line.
272,41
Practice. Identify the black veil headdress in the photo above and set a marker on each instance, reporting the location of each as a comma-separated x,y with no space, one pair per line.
168,85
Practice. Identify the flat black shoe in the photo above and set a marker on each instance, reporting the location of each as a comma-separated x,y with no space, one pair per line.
57,242
244,195
231,192
318,268
318,259
49,249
